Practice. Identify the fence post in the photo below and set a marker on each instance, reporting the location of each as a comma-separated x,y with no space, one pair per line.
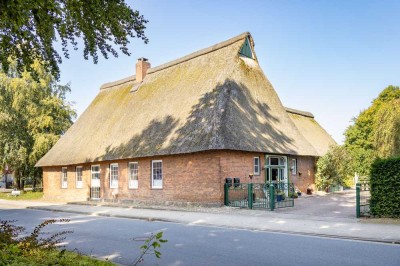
250,195
226,195
272,197
358,190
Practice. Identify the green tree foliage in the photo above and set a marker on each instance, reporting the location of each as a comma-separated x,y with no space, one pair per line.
361,136
33,115
387,130
29,29
334,168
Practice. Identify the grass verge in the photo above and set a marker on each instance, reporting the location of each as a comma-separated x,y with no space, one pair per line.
27,195
51,257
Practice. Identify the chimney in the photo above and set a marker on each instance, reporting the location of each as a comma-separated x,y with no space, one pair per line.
142,65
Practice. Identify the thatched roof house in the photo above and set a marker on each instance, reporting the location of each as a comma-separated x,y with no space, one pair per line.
216,99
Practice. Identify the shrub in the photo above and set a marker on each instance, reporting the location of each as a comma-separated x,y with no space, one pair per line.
334,168
38,247
385,188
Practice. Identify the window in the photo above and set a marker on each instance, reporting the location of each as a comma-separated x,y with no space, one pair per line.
256,165
114,175
156,174
294,166
95,182
64,177
79,177
133,175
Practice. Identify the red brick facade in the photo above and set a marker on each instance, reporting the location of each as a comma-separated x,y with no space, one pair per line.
305,174
197,177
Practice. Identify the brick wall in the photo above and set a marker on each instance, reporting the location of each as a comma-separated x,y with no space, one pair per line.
52,184
305,175
197,177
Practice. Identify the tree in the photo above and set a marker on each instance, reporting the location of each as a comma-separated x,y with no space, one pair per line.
29,28
334,168
33,115
361,135
387,130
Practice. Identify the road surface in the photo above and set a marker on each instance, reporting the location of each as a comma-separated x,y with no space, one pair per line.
111,238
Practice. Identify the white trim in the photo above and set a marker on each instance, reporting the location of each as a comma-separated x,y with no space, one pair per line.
78,184
294,167
156,184
97,181
114,182
64,184
133,183
258,165
284,177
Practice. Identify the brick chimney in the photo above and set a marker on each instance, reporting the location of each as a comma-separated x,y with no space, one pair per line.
142,65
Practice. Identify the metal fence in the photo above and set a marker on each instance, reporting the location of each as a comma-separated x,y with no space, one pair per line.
259,195
363,197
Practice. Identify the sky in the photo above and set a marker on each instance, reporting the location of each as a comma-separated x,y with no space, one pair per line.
331,58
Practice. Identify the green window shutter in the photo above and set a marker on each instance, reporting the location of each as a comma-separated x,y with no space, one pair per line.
246,49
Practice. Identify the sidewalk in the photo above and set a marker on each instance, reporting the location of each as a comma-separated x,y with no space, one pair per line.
276,221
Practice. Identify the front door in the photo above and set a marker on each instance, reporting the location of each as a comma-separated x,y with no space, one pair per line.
95,182
276,171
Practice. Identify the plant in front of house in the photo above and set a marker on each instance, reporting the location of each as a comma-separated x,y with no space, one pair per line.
293,195
280,195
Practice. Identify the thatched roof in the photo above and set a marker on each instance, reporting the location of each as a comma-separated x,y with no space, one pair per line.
209,100
311,130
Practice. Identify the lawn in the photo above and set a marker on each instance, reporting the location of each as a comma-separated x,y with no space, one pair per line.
27,195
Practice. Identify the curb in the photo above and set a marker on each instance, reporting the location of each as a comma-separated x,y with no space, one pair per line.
150,219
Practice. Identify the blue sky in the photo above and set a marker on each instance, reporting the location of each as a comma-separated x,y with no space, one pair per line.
331,58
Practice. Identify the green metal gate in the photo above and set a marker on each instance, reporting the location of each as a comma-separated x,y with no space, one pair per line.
363,197
259,195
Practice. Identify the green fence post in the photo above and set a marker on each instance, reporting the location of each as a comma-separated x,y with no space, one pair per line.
272,197
250,195
226,195
358,190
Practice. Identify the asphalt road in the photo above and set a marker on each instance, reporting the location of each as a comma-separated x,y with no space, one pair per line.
200,245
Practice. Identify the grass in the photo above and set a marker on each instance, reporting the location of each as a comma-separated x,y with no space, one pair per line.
27,195
52,257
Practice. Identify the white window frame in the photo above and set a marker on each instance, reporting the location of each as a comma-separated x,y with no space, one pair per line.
256,165
294,167
282,166
97,181
114,179
156,184
64,178
132,182
79,182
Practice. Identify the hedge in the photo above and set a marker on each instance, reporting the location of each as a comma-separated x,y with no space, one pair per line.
385,188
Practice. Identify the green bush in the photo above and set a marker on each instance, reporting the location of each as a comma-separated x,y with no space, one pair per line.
38,247
385,188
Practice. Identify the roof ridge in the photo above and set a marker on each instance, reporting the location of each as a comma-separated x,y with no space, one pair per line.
200,52
299,112
118,82
182,59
